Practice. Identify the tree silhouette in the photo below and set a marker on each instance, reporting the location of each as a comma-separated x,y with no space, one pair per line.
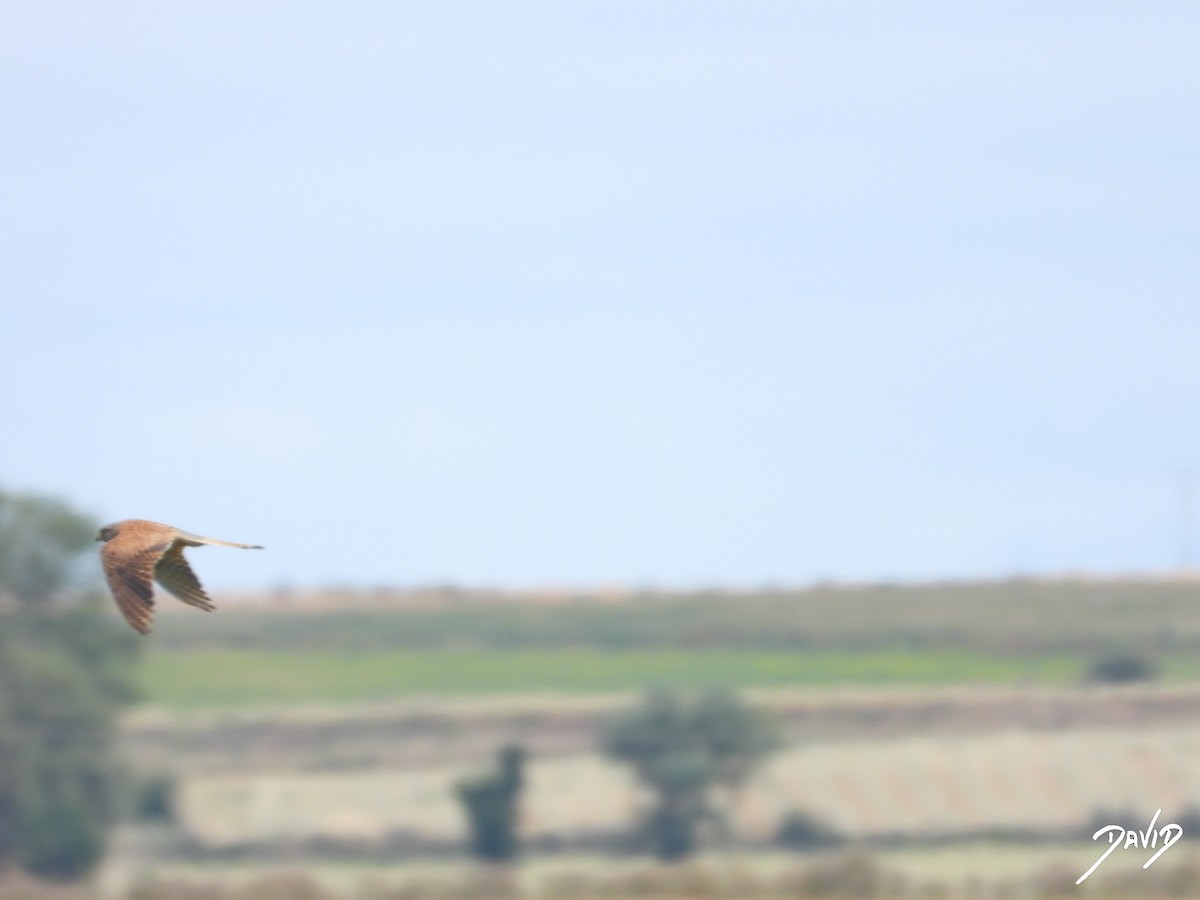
681,749
41,543
491,805
65,672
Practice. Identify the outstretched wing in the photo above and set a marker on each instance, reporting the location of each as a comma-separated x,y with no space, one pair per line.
195,540
129,568
173,573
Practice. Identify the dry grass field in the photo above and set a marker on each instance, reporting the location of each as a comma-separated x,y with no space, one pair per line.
925,872
948,787
947,733
921,786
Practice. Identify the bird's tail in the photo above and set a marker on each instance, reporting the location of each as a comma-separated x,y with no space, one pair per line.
195,540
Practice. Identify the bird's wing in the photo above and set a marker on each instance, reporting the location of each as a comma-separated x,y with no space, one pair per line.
195,540
129,568
173,573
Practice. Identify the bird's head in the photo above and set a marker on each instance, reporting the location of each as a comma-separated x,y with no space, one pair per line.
108,532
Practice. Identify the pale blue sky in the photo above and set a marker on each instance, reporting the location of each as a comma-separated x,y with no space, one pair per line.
668,293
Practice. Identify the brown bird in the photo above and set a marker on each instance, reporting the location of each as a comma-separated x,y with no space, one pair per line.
136,551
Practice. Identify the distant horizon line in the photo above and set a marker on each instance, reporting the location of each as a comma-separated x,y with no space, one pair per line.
621,590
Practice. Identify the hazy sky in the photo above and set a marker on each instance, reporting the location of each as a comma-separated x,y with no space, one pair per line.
648,293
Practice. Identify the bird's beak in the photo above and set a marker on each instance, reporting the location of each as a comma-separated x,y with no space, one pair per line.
99,537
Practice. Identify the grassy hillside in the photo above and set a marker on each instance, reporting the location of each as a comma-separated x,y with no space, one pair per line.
352,648
191,679
1008,618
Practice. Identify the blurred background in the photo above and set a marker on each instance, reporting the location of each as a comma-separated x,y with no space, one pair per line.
699,447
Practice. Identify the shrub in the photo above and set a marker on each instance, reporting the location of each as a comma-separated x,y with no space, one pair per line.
491,804
801,831
154,798
680,749
62,841
1117,668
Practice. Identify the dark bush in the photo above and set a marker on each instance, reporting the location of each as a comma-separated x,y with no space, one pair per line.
491,804
801,831
61,841
1117,668
681,748
154,798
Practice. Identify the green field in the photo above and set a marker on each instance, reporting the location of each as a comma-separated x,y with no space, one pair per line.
1004,618
336,648
196,679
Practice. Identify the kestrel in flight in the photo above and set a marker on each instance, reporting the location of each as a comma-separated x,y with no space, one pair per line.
135,552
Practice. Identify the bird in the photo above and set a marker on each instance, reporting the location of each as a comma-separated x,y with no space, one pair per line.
137,552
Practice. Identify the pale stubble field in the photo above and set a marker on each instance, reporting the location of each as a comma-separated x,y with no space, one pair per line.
947,730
